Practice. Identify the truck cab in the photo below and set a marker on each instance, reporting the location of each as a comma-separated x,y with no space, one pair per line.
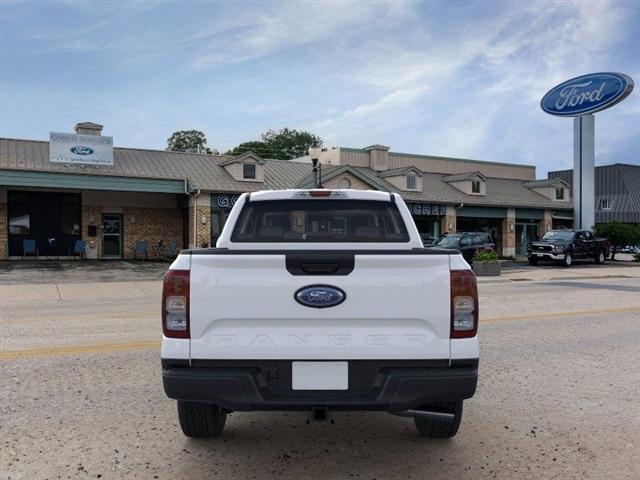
317,301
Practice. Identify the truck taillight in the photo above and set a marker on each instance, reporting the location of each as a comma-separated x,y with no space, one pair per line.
175,304
464,304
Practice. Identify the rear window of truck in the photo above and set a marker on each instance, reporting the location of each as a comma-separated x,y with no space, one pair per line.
320,221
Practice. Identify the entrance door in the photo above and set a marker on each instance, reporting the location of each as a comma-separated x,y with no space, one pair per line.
218,219
111,235
525,233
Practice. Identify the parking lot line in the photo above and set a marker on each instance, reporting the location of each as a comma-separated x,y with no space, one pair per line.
77,349
573,313
93,316
55,351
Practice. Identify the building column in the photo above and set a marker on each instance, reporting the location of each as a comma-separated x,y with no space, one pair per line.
201,221
4,227
545,224
509,234
91,217
448,222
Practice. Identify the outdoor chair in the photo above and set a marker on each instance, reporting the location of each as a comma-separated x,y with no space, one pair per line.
29,248
79,248
142,249
159,249
172,249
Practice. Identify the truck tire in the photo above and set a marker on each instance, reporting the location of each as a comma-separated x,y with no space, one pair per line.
431,428
600,257
567,261
201,420
533,260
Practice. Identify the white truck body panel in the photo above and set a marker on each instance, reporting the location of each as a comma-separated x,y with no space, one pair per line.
243,307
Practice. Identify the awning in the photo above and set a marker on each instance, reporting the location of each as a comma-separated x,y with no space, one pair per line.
30,178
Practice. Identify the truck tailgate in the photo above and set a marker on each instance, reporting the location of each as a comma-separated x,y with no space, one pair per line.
397,306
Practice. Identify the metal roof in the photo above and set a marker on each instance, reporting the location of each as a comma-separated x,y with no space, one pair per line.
393,172
201,170
463,176
206,172
547,182
620,184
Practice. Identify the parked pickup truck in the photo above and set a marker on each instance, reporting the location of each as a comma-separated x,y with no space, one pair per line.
566,245
320,300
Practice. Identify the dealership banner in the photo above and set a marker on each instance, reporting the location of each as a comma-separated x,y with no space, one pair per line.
85,149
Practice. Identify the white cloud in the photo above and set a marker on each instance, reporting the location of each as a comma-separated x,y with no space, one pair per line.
483,79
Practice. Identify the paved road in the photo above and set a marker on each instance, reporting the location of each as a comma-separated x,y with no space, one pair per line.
559,391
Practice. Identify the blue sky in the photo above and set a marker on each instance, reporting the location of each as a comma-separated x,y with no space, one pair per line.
460,79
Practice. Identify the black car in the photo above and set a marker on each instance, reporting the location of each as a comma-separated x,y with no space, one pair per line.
566,245
469,243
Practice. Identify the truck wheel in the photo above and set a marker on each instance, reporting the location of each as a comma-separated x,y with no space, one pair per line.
431,428
533,260
568,260
600,257
201,420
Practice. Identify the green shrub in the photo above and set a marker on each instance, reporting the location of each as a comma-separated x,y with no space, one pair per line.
636,257
486,257
619,234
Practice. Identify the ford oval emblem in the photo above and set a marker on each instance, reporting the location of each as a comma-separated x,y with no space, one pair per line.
320,296
587,94
79,150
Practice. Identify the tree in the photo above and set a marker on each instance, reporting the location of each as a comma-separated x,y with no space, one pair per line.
188,141
288,144
619,234
284,144
257,147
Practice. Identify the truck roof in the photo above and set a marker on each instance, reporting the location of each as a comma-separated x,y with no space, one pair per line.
323,193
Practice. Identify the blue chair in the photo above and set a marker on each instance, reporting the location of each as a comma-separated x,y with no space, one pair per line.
29,248
172,249
142,249
79,248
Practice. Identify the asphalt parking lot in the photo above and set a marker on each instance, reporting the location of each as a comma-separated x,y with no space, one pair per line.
81,393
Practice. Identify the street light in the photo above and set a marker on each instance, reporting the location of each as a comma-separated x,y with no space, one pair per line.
314,153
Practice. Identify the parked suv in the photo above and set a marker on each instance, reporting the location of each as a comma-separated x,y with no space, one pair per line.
468,243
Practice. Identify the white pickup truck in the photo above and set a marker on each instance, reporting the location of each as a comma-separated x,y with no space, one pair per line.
320,300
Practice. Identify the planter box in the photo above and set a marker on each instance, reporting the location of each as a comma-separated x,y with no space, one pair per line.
486,269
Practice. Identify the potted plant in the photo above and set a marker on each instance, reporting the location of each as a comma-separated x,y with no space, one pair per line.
486,264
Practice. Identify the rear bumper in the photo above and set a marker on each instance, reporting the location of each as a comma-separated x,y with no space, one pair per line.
393,385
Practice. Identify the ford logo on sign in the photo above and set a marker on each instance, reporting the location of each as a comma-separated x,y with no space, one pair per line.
320,296
79,150
587,94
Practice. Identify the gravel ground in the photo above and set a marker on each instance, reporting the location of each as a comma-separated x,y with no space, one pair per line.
557,398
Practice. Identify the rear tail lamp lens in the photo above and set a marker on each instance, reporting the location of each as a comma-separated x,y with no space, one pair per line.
464,304
175,304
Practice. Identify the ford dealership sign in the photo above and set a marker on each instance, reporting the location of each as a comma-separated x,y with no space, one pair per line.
587,94
80,149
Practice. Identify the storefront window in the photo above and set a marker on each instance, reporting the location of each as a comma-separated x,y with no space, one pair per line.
51,219
19,213
19,220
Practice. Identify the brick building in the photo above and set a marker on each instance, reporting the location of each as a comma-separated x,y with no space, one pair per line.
183,199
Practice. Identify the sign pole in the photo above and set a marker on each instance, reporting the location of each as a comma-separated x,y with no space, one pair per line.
583,171
579,98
